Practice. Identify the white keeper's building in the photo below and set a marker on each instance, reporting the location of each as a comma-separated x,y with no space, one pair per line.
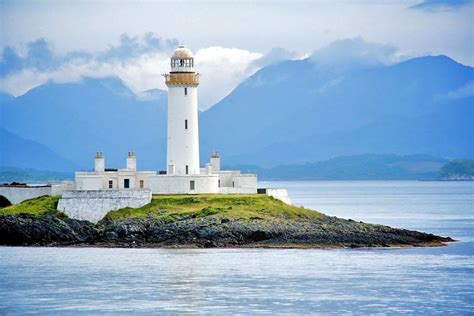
184,174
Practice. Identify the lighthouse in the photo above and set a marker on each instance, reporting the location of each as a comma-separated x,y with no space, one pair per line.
183,173
183,126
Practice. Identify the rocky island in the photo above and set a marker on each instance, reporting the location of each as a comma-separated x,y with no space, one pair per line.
200,221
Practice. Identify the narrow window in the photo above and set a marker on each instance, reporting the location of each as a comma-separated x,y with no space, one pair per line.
191,185
185,124
142,184
185,91
187,169
111,184
219,183
233,184
126,183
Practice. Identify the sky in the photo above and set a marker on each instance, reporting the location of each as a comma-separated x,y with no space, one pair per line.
64,41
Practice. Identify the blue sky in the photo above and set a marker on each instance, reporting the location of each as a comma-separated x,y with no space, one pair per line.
66,40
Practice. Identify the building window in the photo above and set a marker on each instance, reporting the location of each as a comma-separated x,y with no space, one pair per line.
185,124
185,91
126,183
192,185
111,184
233,184
187,169
142,184
219,183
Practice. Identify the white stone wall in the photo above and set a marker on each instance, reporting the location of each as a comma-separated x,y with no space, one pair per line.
279,194
94,205
89,181
18,194
226,177
246,182
100,180
164,184
231,190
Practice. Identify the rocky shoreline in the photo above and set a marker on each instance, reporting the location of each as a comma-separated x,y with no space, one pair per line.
212,231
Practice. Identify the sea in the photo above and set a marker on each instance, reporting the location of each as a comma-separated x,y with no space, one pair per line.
383,281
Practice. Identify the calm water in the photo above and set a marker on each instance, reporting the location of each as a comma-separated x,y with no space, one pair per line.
379,281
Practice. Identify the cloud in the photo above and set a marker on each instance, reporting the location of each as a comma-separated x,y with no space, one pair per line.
276,55
356,53
441,5
223,69
465,91
137,61
133,47
40,56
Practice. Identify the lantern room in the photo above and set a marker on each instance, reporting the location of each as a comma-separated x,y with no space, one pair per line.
182,60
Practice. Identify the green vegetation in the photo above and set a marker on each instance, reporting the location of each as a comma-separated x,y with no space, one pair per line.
37,206
458,167
244,207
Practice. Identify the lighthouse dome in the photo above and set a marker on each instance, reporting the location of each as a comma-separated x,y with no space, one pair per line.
182,60
182,52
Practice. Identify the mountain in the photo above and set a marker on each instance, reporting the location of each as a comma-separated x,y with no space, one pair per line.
295,112
360,167
78,119
23,153
292,112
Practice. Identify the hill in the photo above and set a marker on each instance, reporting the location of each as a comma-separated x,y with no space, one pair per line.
359,167
23,153
78,119
28,175
459,169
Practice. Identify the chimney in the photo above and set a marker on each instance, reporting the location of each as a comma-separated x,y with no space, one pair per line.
208,168
131,161
99,162
216,161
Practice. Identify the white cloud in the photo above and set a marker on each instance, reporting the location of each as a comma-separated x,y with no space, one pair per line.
222,70
462,92
354,53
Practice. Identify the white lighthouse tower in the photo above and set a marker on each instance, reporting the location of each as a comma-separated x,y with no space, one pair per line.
183,129
184,175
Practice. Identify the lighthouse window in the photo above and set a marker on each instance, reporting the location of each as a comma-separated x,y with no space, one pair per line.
187,169
185,91
181,62
192,185
185,124
111,184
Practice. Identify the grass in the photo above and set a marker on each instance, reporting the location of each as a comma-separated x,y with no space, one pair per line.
243,207
177,207
37,206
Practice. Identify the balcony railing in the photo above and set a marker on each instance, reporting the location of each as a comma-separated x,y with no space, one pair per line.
182,78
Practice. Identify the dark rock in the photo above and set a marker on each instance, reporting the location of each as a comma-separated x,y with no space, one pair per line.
208,231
